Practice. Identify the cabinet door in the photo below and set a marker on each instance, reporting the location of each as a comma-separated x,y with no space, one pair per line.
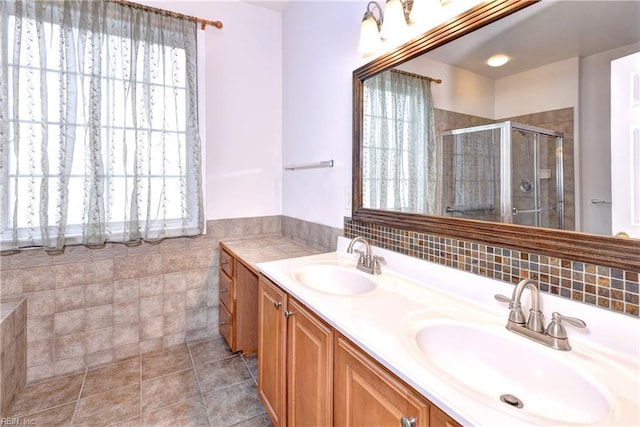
225,323
367,395
309,368
226,291
437,418
246,310
272,351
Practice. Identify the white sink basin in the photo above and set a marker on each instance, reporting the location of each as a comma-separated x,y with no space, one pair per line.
489,363
334,279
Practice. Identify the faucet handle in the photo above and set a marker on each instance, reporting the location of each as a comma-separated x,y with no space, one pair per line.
516,315
502,298
556,329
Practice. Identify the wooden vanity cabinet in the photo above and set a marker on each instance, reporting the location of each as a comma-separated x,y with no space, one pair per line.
295,361
310,375
238,295
366,394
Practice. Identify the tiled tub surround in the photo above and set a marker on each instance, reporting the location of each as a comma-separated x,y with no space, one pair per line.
13,350
200,383
90,307
601,286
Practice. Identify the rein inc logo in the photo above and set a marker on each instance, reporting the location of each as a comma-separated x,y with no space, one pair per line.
16,421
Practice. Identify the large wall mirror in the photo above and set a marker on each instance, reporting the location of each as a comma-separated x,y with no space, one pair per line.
518,155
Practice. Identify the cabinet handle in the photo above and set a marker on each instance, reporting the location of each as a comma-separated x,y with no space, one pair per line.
225,262
408,422
288,313
223,290
277,304
223,323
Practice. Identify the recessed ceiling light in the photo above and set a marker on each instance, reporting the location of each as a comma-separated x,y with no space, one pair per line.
498,60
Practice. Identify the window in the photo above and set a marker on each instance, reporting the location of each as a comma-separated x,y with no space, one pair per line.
399,150
99,132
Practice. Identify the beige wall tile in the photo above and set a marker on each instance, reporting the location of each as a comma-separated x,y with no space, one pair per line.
125,290
99,271
68,346
126,313
11,282
68,322
98,340
69,298
151,307
40,352
175,282
99,358
98,317
124,335
39,328
195,298
175,323
137,266
66,275
174,303
151,328
98,294
151,286
40,303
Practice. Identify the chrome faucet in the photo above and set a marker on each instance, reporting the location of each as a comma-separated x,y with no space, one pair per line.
366,262
554,335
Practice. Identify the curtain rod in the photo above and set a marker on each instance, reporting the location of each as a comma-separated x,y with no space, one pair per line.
406,73
164,12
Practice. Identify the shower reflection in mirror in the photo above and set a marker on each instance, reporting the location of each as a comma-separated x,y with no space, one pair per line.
417,158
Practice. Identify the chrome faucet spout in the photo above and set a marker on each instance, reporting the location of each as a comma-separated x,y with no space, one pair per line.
365,242
367,262
554,336
535,315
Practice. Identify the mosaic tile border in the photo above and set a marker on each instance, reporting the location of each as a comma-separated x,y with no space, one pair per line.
608,288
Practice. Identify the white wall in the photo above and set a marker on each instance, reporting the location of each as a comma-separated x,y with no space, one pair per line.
550,87
243,107
461,91
320,44
595,156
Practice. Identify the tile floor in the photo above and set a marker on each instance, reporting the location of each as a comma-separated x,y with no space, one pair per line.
194,384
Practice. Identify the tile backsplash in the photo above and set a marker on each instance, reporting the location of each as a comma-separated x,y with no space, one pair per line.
602,286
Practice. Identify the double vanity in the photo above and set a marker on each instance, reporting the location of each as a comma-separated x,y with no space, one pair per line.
425,344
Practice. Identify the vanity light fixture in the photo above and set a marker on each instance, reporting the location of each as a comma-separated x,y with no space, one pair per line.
497,60
370,40
393,22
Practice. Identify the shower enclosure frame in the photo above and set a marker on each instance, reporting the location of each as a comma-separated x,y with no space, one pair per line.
507,212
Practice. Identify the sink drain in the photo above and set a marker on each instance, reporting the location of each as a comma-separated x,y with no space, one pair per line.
510,399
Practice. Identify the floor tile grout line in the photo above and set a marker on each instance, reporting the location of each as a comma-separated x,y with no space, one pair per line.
204,404
75,410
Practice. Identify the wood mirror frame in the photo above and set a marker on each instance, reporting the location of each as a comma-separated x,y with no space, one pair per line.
590,248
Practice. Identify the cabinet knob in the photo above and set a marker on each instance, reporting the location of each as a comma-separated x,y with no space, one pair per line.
408,422
288,313
225,262
223,323
277,304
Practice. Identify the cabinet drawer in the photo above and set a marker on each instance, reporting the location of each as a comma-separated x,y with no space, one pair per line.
225,325
226,291
226,262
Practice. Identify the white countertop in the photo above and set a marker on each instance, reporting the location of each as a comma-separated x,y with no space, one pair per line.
380,323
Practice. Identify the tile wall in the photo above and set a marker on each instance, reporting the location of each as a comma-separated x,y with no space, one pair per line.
13,351
601,286
89,307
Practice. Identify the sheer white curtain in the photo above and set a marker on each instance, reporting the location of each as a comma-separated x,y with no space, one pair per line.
399,146
98,125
